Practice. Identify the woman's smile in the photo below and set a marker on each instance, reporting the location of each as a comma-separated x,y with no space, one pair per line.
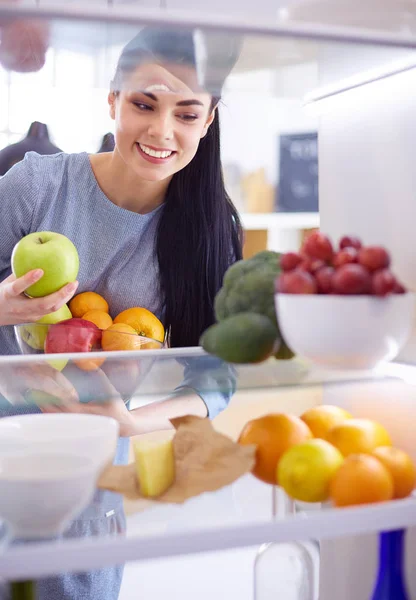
154,155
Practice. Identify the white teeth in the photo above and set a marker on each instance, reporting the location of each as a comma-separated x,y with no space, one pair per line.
157,87
155,153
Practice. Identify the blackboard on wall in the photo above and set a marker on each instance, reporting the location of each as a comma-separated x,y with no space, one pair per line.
298,173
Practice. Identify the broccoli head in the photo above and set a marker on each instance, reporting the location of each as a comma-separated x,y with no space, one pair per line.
249,286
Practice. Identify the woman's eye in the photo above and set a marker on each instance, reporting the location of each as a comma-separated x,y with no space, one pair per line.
187,117
142,106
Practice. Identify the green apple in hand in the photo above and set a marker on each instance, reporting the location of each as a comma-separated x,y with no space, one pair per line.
35,334
52,252
39,398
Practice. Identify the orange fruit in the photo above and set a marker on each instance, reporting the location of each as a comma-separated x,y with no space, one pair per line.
151,345
86,301
401,468
143,321
358,435
99,318
320,419
120,336
89,364
361,479
273,434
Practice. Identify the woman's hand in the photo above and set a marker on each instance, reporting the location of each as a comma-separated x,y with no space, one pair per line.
41,385
34,384
24,44
113,406
16,308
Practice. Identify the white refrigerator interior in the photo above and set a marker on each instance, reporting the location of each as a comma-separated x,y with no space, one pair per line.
367,187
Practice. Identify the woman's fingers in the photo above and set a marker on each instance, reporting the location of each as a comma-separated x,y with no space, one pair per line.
45,379
32,309
16,286
15,308
10,278
67,387
53,302
60,395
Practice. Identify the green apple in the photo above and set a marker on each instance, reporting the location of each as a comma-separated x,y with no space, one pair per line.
35,334
38,397
58,363
52,252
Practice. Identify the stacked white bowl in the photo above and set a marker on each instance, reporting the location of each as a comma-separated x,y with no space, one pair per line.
49,467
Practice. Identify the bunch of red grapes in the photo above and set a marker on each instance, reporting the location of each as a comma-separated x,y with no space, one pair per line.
351,269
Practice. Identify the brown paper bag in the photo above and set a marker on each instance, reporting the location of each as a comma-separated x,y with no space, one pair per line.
205,461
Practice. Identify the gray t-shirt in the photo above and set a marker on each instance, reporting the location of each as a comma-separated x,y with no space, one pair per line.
116,246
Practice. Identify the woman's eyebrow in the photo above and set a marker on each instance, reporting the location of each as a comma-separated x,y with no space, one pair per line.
148,94
190,102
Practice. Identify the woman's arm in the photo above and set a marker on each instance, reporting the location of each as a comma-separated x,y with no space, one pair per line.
152,417
155,416
206,390
19,192
207,387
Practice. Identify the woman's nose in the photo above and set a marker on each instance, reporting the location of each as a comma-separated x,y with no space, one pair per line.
161,127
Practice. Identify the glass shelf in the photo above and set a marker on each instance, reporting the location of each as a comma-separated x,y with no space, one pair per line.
244,513
210,523
386,19
157,373
268,47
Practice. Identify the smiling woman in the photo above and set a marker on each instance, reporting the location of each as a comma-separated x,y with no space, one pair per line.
168,152
153,227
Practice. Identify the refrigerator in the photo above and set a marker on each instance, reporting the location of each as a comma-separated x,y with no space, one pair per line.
348,69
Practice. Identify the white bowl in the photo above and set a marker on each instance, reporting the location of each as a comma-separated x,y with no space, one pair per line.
41,493
92,436
351,332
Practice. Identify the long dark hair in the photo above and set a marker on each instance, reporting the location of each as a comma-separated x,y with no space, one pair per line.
199,233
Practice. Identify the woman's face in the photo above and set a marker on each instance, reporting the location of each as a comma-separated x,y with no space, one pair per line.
160,120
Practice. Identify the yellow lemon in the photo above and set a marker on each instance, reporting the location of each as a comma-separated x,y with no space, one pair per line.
305,470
